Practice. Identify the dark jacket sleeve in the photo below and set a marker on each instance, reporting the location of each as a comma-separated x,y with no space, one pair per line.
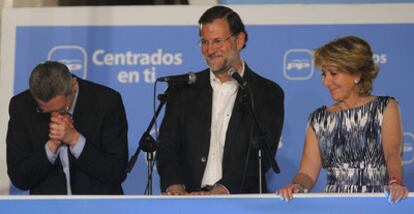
170,157
27,163
272,124
105,154
269,111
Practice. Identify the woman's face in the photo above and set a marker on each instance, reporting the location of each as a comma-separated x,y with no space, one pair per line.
341,84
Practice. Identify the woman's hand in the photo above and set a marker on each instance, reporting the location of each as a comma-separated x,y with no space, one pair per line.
286,193
396,192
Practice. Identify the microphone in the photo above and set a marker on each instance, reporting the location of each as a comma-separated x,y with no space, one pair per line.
242,83
189,78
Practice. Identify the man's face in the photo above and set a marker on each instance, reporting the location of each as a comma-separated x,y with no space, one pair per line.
219,48
60,103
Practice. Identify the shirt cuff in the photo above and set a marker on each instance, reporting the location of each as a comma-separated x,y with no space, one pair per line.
50,155
77,149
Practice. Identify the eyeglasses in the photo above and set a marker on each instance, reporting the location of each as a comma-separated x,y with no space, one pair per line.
216,42
63,110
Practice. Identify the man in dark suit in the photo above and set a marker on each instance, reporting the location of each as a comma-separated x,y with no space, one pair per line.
66,135
205,140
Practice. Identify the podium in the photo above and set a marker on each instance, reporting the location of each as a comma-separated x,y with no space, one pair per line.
240,204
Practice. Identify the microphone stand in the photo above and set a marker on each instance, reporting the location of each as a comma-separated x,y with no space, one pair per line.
147,143
261,144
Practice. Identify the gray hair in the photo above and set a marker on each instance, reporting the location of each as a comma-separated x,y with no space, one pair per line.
50,79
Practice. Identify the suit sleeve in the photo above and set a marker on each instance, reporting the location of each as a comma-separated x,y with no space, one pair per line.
106,160
27,164
273,123
169,154
270,115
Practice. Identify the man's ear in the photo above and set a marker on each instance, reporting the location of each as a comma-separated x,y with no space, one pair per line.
74,84
240,40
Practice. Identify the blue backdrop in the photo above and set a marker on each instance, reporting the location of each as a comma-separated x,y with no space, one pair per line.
130,58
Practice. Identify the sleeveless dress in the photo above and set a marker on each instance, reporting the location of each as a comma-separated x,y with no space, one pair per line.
350,145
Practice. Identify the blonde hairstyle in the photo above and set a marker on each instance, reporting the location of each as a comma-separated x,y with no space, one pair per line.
352,55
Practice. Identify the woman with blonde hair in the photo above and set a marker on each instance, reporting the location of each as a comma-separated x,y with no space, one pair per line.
358,139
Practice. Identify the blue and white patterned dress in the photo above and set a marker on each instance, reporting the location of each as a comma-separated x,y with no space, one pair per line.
350,144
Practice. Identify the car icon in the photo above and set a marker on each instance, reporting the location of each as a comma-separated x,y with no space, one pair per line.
408,148
298,64
73,65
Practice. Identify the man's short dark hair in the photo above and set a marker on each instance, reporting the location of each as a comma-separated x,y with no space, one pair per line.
221,12
50,79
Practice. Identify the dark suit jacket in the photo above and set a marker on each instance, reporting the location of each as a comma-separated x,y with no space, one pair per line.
99,115
184,138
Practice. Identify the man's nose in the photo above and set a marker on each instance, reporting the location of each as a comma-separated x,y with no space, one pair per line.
210,48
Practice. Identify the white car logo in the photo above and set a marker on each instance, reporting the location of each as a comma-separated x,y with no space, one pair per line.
73,65
73,56
298,64
408,148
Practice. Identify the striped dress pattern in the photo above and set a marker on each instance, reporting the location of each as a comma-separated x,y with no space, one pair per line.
350,145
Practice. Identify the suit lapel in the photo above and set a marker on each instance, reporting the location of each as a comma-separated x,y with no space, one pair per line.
80,105
238,120
234,126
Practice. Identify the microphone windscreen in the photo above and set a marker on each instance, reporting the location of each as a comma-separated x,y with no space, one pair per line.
235,75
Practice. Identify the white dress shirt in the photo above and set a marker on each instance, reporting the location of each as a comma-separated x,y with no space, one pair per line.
224,96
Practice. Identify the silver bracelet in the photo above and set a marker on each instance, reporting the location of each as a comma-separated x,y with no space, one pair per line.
302,188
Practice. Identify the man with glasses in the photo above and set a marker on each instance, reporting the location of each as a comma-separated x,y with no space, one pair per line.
206,134
66,135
